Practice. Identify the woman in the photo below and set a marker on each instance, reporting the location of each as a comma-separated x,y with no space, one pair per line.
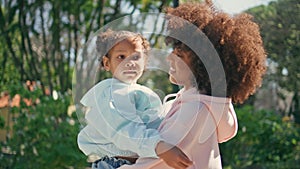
202,115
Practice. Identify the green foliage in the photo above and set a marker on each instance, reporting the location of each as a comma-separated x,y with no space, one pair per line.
279,23
2,122
263,141
42,40
45,47
44,135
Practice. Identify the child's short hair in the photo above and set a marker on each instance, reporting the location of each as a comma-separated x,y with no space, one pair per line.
237,41
108,39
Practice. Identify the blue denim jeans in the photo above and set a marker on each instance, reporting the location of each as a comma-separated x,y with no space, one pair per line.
109,163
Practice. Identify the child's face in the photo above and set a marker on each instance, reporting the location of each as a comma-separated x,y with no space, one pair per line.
126,60
180,72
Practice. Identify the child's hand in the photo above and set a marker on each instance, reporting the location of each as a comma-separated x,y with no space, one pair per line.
172,155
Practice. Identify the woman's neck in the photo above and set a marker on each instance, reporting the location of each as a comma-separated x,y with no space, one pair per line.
187,87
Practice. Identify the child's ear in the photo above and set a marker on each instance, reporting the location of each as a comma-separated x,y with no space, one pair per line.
105,61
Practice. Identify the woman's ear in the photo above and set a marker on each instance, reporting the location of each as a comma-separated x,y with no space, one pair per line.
105,61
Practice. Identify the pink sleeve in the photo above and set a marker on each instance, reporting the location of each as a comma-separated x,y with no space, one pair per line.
228,125
222,119
175,128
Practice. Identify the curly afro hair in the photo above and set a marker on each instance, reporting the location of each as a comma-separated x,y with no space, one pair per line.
237,41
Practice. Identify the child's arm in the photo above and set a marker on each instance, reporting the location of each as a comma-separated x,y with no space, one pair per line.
124,133
113,114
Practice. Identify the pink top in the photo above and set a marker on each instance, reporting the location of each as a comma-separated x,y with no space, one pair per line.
196,123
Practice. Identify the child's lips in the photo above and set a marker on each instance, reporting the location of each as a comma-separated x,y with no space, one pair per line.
129,72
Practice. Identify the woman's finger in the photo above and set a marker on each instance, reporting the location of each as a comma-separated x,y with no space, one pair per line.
185,160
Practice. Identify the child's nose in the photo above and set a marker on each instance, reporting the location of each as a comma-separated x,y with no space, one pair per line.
130,63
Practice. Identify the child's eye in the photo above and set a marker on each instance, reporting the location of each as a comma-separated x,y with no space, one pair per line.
121,57
179,56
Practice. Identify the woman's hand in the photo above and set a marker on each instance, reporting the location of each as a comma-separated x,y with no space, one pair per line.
172,155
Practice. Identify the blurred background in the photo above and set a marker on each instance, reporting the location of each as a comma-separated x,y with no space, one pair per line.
41,40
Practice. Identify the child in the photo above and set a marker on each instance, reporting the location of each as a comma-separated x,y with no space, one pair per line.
123,115
202,114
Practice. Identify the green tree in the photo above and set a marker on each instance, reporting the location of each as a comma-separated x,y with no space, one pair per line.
279,22
43,134
41,39
263,141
